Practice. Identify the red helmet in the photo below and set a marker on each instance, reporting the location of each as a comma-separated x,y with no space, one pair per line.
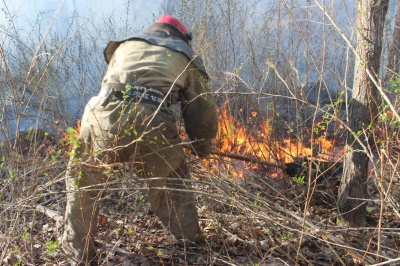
168,19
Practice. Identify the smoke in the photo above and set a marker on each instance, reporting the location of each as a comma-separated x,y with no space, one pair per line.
168,6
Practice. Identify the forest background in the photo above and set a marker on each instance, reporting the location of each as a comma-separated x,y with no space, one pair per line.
282,72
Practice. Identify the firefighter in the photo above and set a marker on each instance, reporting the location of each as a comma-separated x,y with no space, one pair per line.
131,122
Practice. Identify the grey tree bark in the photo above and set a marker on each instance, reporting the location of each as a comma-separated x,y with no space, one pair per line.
362,112
393,66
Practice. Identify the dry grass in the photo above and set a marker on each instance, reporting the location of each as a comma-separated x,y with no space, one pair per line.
248,220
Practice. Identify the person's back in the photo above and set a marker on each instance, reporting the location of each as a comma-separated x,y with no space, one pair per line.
141,63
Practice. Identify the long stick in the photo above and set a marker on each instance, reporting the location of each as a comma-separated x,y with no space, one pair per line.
248,159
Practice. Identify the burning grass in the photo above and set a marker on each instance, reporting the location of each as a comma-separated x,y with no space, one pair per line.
258,139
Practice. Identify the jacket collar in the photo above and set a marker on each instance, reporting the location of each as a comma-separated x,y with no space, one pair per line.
167,29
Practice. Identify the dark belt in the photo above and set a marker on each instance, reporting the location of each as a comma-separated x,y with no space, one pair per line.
132,93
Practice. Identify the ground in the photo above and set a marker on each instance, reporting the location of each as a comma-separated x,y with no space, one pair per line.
250,215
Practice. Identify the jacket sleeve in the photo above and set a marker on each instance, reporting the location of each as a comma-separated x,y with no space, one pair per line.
199,113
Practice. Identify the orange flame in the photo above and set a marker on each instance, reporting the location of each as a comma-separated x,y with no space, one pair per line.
259,142
233,137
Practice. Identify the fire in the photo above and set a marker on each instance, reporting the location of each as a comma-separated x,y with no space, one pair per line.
231,134
256,140
233,137
325,144
68,138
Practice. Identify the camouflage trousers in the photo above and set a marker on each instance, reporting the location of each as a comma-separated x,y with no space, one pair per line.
147,139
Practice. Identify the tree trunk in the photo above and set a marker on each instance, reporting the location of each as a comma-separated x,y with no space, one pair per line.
393,66
362,111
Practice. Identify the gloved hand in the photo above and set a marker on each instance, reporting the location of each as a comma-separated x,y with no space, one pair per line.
203,147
